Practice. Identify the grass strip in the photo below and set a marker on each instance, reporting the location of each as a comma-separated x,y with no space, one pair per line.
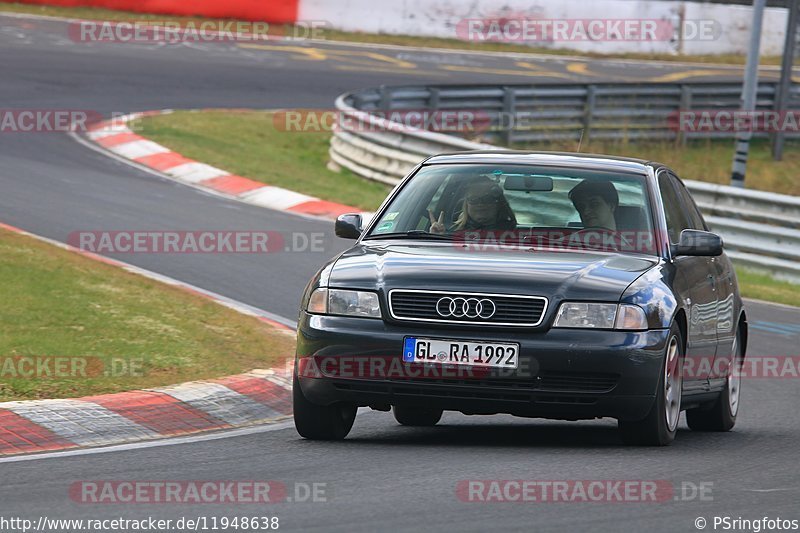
248,143
125,331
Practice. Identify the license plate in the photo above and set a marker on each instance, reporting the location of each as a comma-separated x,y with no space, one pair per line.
482,354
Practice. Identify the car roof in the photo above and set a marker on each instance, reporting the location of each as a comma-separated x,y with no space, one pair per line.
557,159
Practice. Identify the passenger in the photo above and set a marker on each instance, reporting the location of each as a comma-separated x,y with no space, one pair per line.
485,208
596,202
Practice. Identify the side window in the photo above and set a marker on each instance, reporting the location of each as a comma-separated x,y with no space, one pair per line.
695,218
673,208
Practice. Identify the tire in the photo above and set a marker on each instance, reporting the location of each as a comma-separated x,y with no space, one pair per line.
660,425
721,416
416,416
321,422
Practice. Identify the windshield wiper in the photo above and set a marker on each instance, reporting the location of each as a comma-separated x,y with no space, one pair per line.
414,234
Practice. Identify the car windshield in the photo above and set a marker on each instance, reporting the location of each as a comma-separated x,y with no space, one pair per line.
526,205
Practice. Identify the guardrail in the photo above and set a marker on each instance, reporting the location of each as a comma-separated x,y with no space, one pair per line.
530,113
761,230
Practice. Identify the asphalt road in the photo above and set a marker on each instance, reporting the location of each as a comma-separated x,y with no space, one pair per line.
383,476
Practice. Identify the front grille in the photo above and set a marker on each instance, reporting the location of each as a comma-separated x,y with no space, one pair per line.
507,310
584,382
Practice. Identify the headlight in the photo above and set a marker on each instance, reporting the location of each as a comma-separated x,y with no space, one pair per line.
318,303
600,316
631,317
342,302
586,315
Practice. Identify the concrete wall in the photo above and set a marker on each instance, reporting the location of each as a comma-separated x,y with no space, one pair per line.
724,28
441,18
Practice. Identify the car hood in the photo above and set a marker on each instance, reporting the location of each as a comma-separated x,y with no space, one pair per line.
557,275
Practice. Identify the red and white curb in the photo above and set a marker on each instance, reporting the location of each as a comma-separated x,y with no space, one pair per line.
258,397
116,137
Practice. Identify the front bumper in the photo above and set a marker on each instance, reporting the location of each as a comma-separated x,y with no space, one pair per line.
563,373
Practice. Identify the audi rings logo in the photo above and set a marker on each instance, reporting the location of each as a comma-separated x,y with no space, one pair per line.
465,308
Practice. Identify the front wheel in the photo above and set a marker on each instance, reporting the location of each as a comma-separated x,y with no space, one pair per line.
721,416
660,425
321,422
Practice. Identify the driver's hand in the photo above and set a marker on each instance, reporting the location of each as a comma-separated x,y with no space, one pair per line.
437,225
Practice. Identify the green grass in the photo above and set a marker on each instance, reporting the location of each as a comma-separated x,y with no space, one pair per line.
706,160
763,287
249,144
58,303
400,40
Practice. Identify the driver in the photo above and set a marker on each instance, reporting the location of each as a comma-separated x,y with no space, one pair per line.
485,207
596,203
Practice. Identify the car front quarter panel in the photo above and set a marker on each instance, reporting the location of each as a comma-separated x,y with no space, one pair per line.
653,292
320,279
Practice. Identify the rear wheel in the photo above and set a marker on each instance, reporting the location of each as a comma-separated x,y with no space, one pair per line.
660,425
416,416
721,416
321,422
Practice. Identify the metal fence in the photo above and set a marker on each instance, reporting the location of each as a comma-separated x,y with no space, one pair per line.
761,230
601,111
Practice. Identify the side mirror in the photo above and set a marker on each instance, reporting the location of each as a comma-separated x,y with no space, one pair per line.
698,243
349,226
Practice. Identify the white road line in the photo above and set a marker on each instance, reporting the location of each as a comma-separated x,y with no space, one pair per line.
770,490
220,299
764,302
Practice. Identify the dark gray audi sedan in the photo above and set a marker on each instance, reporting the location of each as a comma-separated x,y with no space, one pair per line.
554,285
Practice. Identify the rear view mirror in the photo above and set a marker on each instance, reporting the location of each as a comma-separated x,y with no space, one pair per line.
528,183
349,226
698,243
